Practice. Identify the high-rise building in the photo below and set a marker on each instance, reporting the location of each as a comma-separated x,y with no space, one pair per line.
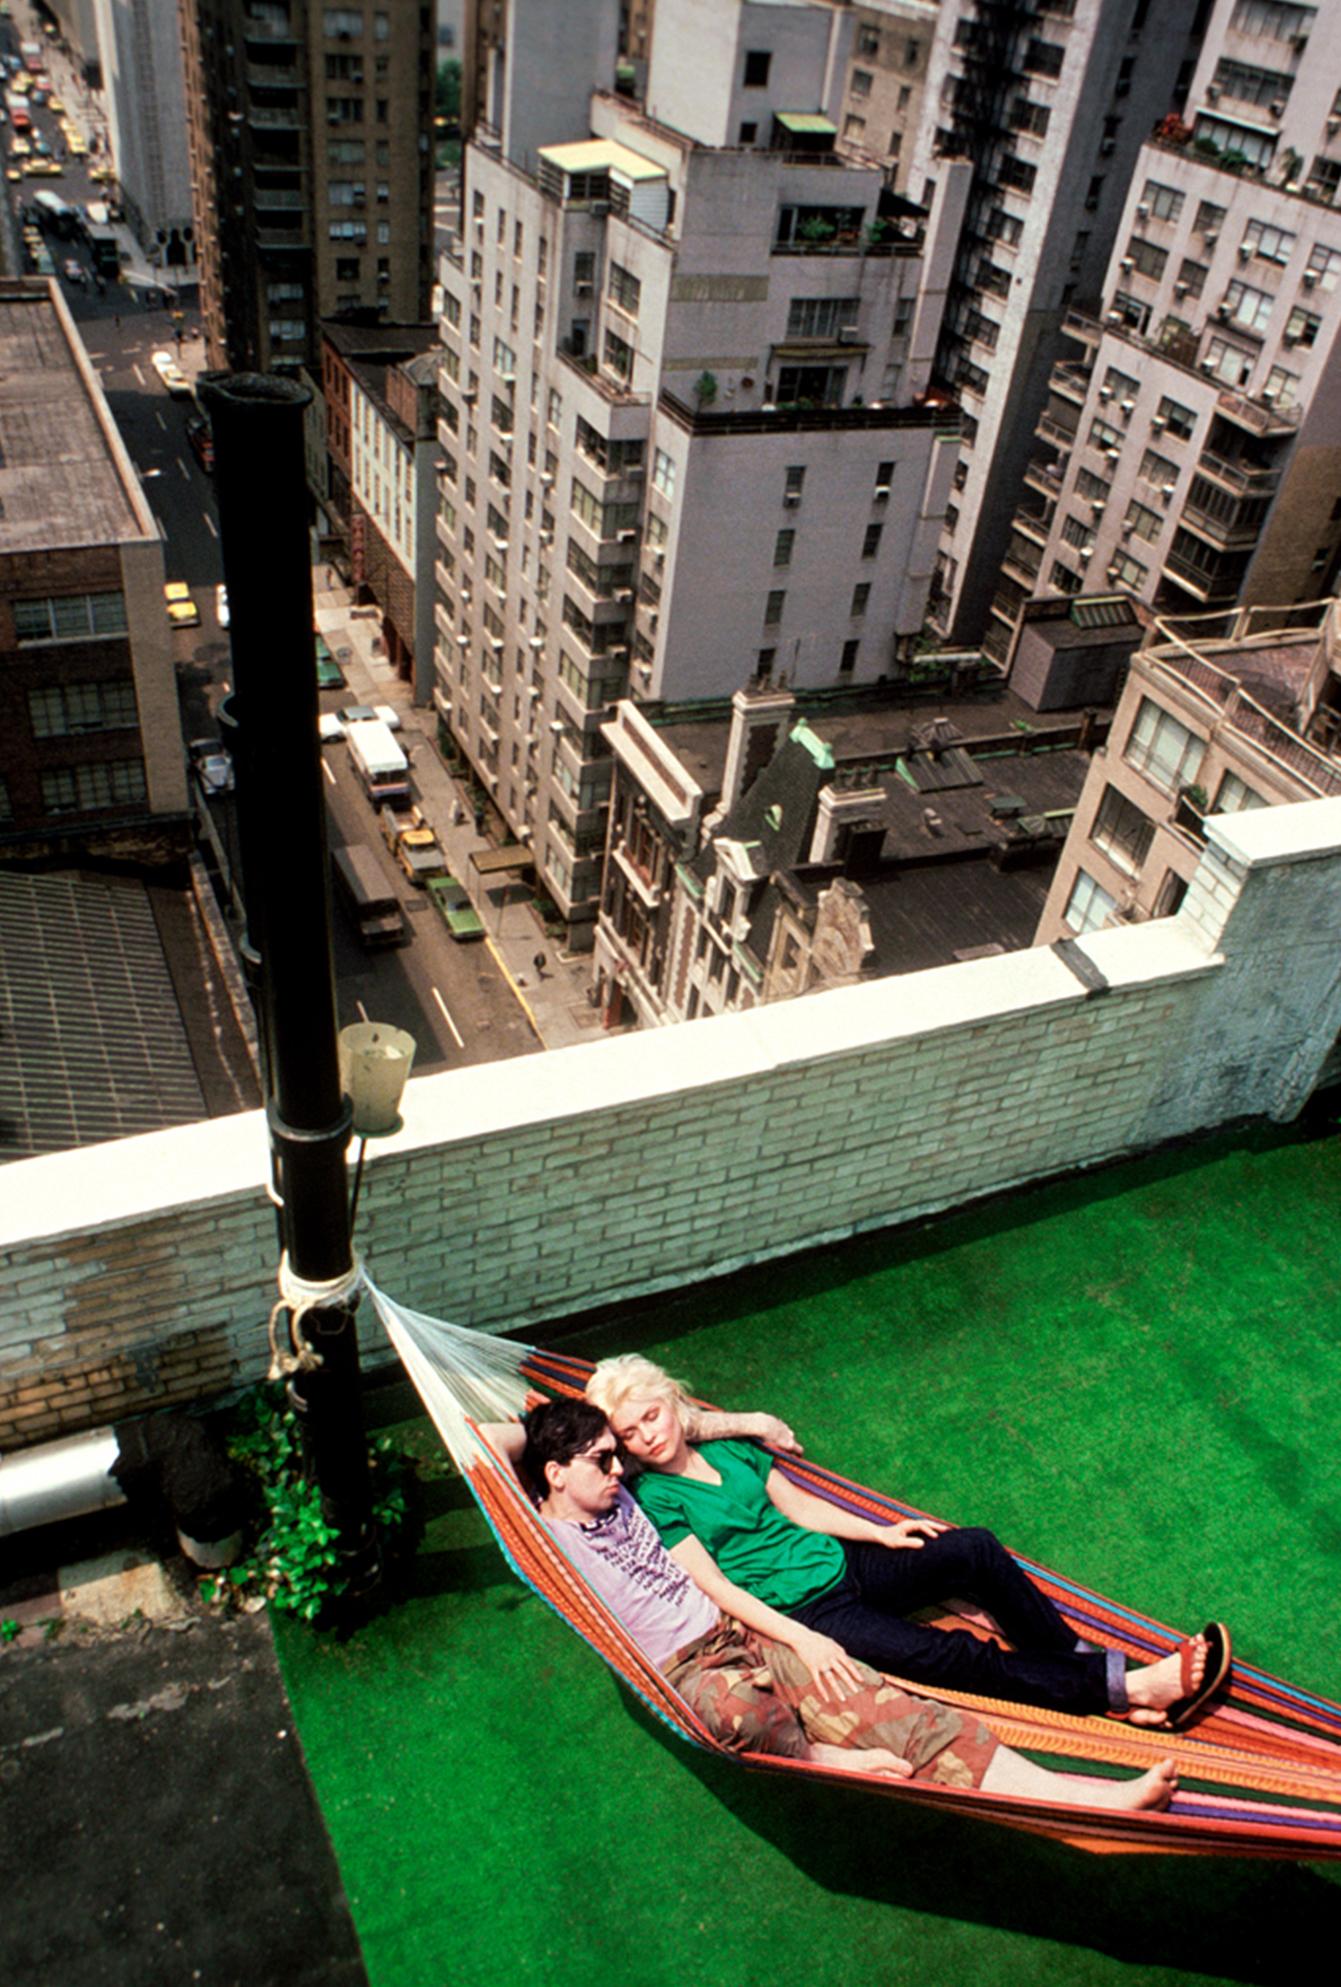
1051,100
882,103
312,164
688,434
140,62
1190,450
90,743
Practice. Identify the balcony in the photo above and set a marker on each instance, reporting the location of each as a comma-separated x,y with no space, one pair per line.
1070,379
1213,589
638,879
1045,477
1245,479
1062,434
1257,417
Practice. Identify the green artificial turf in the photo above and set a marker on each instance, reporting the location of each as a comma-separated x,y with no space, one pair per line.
1132,1376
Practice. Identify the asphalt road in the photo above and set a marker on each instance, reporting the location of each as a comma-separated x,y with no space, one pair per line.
452,998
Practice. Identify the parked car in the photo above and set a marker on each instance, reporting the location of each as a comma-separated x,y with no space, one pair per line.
212,765
330,676
360,713
221,604
171,374
201,438
74,271
182,610
462,920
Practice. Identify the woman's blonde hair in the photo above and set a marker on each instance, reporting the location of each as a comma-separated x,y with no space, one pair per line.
630,1376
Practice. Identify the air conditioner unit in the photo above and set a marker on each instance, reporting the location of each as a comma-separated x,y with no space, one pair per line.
547,538
1167,490
1143,209
1084,558
1213,93
1105,393
1310,278
534,692
848,334
470,394
791,499
1126,263
1127,530
1277,106
1098,506
1128,406
535,641
1299,43
1112,454
463,641
582,289
1270,395
556,724
1245,251
1333,126
881,493
659,558
1211,237
546,480
1292,338
1208,365
599,208
1116,317
1180,289
627,535
1113,572
506,379
623,593
1108,147
1160,423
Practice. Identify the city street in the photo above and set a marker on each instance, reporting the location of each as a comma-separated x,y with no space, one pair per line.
453,998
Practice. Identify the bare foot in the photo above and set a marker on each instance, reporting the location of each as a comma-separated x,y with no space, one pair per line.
1154,1790
862,1759
1150,1691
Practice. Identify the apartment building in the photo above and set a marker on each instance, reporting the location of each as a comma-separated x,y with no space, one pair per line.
310,134
1051,101
1220,713
139,50
688,434
90,744
1190,449
787,849
886,78
380,388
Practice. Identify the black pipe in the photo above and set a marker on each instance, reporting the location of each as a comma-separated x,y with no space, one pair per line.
261,491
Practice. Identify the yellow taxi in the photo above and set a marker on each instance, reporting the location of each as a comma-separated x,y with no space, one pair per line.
56,107
182,610
21,149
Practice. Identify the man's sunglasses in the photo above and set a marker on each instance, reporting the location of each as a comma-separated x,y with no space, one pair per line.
604,1459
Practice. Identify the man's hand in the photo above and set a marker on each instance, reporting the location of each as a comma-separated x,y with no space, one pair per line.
908,1534
836,1674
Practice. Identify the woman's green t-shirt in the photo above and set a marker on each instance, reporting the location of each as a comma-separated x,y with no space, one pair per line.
754,1545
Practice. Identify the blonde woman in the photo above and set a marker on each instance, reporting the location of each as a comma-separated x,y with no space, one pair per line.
731,1519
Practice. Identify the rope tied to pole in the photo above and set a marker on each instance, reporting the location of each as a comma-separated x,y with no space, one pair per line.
297,1296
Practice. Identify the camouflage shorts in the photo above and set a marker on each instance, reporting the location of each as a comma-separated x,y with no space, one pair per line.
755,1695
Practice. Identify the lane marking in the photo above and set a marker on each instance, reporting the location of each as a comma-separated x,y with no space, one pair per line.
442,1008
325,767
210,525
186,474
138,374
517,994
363,1012
158,416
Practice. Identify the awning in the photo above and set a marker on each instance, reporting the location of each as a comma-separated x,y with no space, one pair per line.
501,862
802,121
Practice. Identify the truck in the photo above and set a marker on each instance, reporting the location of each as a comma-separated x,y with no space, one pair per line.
57,215
413,843
368,897
378,761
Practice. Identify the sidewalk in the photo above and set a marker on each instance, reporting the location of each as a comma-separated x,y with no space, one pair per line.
554,998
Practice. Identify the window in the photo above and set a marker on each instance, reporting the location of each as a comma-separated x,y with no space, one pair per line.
1103,435
70,617
757,64
763,663
1268,17
1302,327
1029,117
1089,907
1281,386
623,289
663,473
1129,572
82,789
796,478
1192,276
1230,363
884,478
618,357
1122,831
1004,227
1256,146
782,548
1076,531
1271,243
1091,487
1064,579
847,661
1248,84
60,710
340,21
870,544
868,41
1157,468
1235,796
1324,177
821,317
1210,218
1015,172
1165,751
860,597
861,82
1044,58
1324,267
774,605
749,131
1149,258
1165,202
1142,521
1178,420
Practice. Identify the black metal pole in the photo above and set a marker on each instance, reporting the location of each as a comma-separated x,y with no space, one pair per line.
261,491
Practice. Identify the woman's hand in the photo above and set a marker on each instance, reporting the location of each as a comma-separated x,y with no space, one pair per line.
908,1534
835,1672
776,1433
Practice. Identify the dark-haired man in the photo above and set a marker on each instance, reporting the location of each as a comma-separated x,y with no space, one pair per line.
743,1672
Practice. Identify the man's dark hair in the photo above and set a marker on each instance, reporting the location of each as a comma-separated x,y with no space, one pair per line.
556,1431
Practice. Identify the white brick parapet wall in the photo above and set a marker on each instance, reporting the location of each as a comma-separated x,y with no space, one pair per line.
141,1271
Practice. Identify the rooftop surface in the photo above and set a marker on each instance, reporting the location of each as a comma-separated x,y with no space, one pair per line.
1129,1375
60,481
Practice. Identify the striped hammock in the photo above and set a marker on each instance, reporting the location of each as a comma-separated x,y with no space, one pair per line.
1259,1775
